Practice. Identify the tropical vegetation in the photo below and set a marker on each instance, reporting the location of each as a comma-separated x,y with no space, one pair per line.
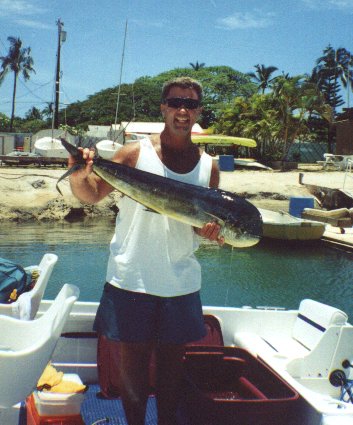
19,61
275,109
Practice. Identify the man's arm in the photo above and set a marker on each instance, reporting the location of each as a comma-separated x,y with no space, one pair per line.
87,186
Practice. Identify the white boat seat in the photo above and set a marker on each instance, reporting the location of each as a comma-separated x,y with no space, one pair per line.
27,347
313,319
312,322
34,296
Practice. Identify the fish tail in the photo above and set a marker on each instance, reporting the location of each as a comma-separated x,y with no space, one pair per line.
67,174
77,154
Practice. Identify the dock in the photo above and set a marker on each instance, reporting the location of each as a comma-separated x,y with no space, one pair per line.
334,237
39,161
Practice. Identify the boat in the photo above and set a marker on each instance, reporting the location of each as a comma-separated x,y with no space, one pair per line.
282,225
19,158
329,198
222,140
263,366
250,163
305,347
107,148
50,147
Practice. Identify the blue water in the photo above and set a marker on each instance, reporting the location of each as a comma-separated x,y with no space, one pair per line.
275,274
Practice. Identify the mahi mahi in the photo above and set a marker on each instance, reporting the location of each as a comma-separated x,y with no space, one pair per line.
240,221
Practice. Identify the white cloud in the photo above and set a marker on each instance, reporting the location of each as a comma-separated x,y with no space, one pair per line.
148,23
33,24
20,13
19,8
346,5
240,20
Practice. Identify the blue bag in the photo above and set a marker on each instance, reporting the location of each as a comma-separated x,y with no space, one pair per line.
14,280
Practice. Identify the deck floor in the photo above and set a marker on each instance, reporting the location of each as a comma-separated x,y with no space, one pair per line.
95,408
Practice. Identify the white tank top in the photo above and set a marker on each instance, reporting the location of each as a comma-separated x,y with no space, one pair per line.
152,253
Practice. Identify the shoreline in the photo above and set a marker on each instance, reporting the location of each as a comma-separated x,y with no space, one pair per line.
31,194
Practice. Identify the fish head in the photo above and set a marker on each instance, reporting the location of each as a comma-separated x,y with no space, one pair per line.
241,222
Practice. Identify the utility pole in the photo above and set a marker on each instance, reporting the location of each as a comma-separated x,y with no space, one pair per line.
61,39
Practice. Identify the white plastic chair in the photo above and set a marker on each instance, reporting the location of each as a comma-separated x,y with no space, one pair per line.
34,296
27,346
337,161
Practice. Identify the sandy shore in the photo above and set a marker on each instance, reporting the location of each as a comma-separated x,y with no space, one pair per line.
30,193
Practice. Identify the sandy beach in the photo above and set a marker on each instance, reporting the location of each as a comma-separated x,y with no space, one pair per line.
30,193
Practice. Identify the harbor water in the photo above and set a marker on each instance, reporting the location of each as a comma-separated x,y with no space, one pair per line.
270,274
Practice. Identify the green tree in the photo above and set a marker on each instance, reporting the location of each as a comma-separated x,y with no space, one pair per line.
197,66
3,73
262,76
275,120
19,61
47,112
297,99
140,101
4,122
34,114
333,70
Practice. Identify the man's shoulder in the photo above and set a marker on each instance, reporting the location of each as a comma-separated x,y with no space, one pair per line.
128,154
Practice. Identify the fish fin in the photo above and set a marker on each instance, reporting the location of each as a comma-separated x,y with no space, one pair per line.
68,173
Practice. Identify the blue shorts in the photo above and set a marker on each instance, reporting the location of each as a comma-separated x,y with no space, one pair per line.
137,317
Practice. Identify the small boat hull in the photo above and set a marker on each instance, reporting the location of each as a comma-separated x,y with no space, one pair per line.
107,148
50,148
281,225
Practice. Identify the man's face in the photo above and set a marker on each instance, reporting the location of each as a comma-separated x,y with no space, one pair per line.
179,119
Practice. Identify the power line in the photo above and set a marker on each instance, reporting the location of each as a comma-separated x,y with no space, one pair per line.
31,91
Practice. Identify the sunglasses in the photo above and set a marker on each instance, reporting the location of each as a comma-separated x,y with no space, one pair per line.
186,102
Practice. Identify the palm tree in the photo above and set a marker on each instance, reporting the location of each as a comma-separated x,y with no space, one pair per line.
262,76
19,61
333,69
3,73
296,99
197,66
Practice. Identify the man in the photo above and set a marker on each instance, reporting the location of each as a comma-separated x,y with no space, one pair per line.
151,299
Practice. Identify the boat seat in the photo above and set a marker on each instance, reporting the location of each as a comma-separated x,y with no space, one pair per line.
311,323
27,304
27,346
336,161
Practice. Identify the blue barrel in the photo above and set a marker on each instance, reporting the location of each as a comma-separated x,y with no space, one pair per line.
226,162
297,204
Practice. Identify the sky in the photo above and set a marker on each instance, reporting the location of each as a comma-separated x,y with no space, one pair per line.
162,35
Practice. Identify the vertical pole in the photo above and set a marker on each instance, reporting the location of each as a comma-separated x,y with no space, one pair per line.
57,76
121,73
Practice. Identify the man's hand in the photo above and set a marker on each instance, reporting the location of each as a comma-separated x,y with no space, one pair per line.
211,231
88,155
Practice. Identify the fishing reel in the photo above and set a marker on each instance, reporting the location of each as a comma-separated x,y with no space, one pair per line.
338,378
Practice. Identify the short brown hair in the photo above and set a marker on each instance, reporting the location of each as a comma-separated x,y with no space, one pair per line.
184,83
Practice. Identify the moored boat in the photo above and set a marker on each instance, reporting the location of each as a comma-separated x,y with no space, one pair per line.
282,225
50,147
107,148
